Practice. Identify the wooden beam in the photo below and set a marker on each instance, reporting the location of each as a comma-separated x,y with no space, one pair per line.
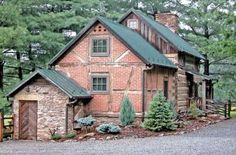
204,95
1,126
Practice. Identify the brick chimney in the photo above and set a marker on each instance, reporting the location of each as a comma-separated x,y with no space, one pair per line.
168,19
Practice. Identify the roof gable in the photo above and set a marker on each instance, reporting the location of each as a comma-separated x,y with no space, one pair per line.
139,46
68,86
172,37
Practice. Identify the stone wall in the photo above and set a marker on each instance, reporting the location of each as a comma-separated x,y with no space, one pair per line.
51,107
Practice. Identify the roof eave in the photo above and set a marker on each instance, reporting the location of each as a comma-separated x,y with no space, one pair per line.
125,15
200,57
137,14
72,42
11,93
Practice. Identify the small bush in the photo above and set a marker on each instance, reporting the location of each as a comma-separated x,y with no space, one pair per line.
86,121
127,113
160,115
194,111
70,135
108,128
56,136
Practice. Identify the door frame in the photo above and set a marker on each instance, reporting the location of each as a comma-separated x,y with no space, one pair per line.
19,114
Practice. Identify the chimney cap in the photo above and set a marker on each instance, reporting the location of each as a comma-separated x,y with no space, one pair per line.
161,11
165,12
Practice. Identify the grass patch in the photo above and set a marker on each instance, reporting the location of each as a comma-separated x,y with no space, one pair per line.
6,121
70,135
233,112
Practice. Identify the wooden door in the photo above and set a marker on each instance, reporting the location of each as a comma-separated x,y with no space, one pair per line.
28,120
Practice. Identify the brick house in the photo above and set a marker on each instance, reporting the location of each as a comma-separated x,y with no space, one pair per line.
136,57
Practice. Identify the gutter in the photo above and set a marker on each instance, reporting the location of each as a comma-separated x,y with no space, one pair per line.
143,88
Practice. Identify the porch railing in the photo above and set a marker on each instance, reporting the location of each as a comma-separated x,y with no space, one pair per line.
222,108
6,125
197,100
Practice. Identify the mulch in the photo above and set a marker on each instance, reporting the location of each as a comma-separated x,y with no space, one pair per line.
187,125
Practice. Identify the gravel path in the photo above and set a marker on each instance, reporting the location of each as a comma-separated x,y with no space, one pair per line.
217,139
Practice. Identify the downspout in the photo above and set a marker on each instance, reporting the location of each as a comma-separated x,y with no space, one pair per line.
148,67
74,100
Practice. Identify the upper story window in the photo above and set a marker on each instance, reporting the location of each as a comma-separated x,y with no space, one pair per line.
189,62
99,83
100,47
133,24
163,46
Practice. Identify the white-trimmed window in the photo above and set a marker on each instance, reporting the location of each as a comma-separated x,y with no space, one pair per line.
133,24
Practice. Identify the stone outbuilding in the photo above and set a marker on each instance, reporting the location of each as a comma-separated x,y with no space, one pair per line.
43,102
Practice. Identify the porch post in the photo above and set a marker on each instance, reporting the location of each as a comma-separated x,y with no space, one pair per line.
1,125
204,94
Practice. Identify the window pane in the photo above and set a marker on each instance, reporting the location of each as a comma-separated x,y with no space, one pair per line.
95,87
94,80
99,80
104,80
104,87
133,24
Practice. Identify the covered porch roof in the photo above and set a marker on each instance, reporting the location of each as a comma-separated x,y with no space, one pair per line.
199,75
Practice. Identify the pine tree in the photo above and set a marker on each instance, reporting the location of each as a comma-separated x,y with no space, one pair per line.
127,113
160,116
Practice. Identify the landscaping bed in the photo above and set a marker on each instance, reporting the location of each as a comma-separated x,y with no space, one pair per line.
135,131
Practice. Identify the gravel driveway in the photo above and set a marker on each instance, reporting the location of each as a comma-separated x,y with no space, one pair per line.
216,139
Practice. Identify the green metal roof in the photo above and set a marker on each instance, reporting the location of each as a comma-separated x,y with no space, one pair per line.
137,44
68,86
172,37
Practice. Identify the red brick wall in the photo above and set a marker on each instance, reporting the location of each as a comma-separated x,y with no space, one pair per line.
122,66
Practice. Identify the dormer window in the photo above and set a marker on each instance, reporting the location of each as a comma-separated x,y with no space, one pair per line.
133,24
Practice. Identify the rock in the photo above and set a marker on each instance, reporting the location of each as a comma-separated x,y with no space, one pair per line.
81,138
222,118
212,115
89,134
203,119
161,135
180,124
181,133
108,137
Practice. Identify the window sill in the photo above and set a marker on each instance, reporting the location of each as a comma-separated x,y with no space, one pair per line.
100,55
99,92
